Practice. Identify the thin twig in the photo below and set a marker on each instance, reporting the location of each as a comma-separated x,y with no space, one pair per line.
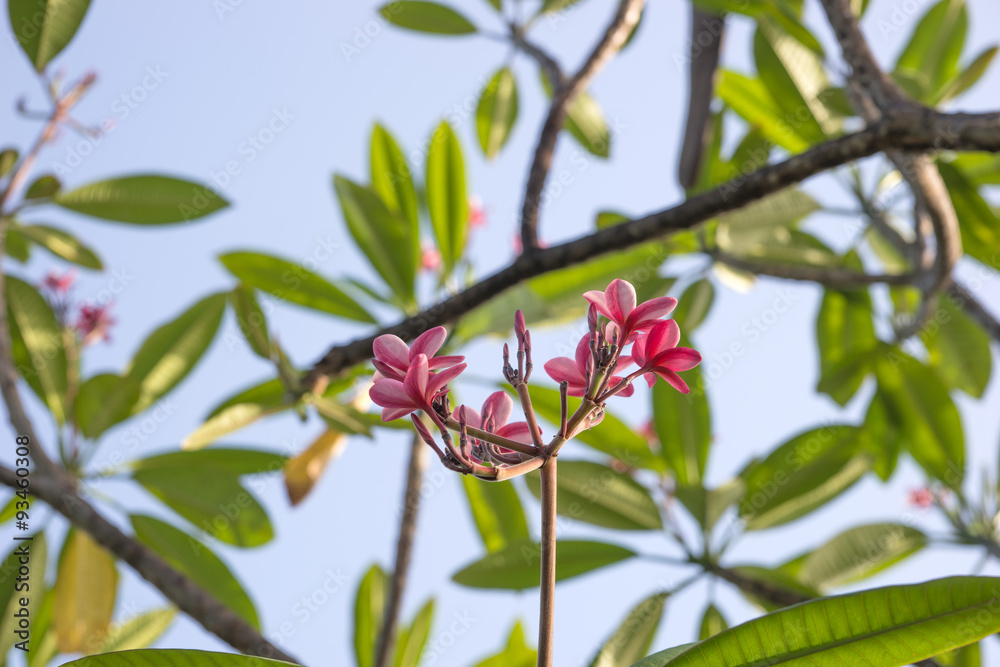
404,547
614,38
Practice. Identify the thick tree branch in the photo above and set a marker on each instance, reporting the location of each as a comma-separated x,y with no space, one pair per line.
707,30
404,547
909,129
614,38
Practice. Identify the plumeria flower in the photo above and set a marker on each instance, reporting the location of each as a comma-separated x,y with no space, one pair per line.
393,357
922,498
574,371
93,323
430,258
618,304
477,214
657,354
494,416
59,284
417,390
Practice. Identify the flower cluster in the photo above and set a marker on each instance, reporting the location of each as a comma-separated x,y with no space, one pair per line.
93,322
413,379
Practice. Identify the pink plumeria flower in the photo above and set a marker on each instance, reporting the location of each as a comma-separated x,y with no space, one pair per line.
416,391
430,258
657,354
922,498
574,371
618,304
393,357
94,322
59,284
477,214
497,409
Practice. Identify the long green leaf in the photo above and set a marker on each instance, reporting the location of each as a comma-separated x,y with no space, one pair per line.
844,330
750,99
63,245
516,567
429,17
959,350
391,178
43,28
633,638
930,59
412,639
173,657
38,345
684,426
143,200
858,553
496,112
368,613
447,199
496,511
515,654
195,560
229,461
139,631
596,494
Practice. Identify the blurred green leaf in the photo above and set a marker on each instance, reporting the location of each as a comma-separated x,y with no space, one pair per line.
978,222
844,330
496,511
43,28
426,17
596,494
172,657
61,244
8,158
368,614
139,631
103,401
228,461
969,76
585,122
412,639
391,178
632,639
793,76
959,350
930,59
516,654
694,305
37,345
496,112
142,200
516,567
447,198
750,99
683,425
712,623
43,186
251,320
858,553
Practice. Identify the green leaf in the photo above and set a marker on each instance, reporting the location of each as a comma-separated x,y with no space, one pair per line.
859,553
683,425
426,17
959,350
661,658
549,6
139,631
708,505
63,245
694,305
612,437
516,654
633,638
765,222
750,99
228,461
882,437
293,283
43,186
979,225
844,330
447,200
251,320
930,59
38,345
103,401
391,242
172,351
712,623
802,474
920,407
496,112
516,567
213,500
970,76
411,640
43,28
368,613
585,121
143,200
596,494
496,511
193,559
87,585
788,92
391,178
16,586
883,627
16,245
8,158
172,657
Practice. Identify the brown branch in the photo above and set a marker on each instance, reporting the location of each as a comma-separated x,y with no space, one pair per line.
614,38
704,62
541,56
404,547
909,129
976,310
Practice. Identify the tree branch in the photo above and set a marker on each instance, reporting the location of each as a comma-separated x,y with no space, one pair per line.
614,38
404,547
909,129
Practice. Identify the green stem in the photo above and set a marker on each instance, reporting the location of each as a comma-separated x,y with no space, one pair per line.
546,615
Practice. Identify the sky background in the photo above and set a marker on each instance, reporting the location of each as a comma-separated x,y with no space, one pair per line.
226,69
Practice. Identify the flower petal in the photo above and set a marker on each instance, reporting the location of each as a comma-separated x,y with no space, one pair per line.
518,431
391,350
582,354
445,361
653,309
390,394
650,379
674,380
627,391
599,301
428,343
391,414
472,417
442,378
500,405
662,337
416,379
563,369
386,370
620,297
677,359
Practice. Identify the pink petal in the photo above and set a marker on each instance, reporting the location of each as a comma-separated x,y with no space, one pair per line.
387,371
576,389
391,414
390,394
620,297
563,369
653,309
416,380
391,350
624,361
444,362
663,336
472,418
500,405
678,359
599,301
674,380
439,380
639,351
626,392
517,431
650,379
582,353
428,343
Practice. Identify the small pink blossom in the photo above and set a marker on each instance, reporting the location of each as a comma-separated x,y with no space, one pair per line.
618,304
57,284
393,357
497,409
574,371
657,354
430,258
416,391
477,214
922,498
93,323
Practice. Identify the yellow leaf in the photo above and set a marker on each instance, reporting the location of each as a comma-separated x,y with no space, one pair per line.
302,471
85,594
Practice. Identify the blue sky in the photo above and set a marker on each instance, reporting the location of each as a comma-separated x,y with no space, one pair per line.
189,83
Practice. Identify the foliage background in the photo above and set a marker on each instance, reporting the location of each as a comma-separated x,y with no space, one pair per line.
225,74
